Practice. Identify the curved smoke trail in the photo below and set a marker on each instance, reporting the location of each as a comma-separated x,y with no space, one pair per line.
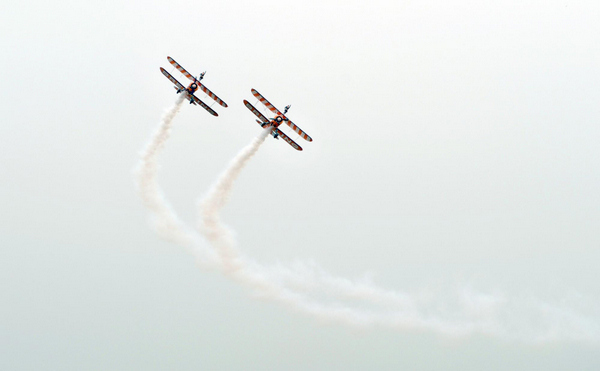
275,284
311,290
303,287
165,220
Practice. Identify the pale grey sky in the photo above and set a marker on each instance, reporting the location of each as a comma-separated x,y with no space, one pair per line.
455,145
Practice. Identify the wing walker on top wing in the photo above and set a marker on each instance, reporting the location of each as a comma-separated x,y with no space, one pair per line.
192,87
276,121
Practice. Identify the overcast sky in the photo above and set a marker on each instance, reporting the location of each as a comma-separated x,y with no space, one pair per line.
455,145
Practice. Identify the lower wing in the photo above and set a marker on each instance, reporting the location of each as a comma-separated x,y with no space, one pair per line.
287,139
201,103
255,111
173,80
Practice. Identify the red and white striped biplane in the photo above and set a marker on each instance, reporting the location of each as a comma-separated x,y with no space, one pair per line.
276,121
192,87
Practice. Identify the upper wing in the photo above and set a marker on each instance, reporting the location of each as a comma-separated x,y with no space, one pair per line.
287,139
194,98
201,103
189,76
255,111
298,130
173,80
212,95
266,103
181,69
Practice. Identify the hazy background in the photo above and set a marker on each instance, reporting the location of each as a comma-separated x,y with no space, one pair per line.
455,144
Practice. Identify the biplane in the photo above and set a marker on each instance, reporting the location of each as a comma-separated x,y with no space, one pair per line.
276,121
192,87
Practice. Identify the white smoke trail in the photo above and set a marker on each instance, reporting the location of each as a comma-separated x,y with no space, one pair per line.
164,219
461,313
211,226
311,290
271,284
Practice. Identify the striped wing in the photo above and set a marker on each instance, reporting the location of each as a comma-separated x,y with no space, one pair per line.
255,111
271,107
267,104
212,95
181,69
201,103
202,87
298,130
173,80
288,139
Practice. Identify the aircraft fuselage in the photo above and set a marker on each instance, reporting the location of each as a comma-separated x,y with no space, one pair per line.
275,122
192,87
